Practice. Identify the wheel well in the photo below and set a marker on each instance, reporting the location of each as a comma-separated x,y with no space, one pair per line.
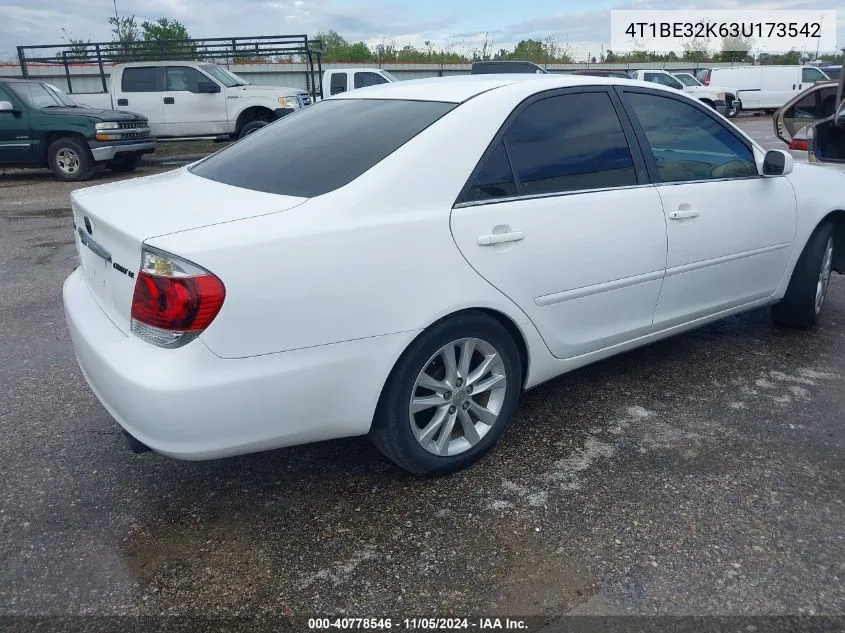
50,137
508,324
254,113
838,219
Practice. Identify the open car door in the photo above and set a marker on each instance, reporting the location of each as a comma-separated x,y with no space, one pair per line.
828,139
810,106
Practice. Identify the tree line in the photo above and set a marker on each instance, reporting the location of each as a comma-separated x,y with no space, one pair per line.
166,37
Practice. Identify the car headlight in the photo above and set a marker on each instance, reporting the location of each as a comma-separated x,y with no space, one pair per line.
108,125
720,96
289,102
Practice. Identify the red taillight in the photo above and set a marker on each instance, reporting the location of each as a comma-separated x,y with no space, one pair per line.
799,144
174,300
177,303
707,79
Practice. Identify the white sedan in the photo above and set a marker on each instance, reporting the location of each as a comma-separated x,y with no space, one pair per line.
405,260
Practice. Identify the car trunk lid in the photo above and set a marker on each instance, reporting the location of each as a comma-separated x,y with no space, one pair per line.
112,221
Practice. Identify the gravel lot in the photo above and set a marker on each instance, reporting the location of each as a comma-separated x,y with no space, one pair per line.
699,476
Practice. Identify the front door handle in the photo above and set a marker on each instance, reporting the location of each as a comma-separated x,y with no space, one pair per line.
683,214
501,238
169,100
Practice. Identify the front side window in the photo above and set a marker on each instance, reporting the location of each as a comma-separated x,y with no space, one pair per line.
810,75
688,144
230,80
687,80
322,147
141,79
184,79
664,80
568,143
362,80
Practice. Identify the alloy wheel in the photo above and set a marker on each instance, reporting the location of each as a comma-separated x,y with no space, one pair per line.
457,397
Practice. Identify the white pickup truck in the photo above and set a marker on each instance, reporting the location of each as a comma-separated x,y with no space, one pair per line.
714,97
194,99
345,79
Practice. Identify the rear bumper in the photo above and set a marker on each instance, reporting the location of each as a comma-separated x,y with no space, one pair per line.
108,151
188,403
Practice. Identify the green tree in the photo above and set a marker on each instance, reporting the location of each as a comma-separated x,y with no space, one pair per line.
167,39
125,35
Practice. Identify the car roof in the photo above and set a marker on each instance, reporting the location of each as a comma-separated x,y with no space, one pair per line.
460,88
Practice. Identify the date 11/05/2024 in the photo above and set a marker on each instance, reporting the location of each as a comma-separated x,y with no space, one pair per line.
702,30
418,624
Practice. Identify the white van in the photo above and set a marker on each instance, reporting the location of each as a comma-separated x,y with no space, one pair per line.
765,87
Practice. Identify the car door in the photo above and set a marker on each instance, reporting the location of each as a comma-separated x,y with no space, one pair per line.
730,231
560,217
16,142
187,110
814,104
141,90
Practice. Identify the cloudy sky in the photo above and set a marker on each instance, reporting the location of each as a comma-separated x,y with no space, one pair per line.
583,24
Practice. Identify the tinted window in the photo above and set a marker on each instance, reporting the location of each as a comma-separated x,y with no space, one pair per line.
495,180
184,79
687,143
140,79
570,142
362,80
819,103
338,83
687,80
322,147
809,75
663,80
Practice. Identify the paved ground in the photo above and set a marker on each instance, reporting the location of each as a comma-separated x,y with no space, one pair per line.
701,475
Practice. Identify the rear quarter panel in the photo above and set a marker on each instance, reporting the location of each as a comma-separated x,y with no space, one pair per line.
373,258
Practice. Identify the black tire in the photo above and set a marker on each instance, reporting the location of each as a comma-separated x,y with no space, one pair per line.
251,127
392,432
70,159
732,111
124,164
799,306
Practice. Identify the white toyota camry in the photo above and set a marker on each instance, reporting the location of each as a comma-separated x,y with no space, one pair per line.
404,261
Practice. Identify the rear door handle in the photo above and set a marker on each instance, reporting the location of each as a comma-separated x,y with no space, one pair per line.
169,100
683,214
123,102
501,238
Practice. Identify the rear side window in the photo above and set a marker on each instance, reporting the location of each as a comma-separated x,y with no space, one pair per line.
322,147
142,79
495,180
362,80
570,142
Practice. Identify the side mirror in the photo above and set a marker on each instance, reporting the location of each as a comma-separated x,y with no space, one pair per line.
208,87
839,117
777,162
6,106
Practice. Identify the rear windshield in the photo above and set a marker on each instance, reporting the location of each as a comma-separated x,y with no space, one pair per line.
322,147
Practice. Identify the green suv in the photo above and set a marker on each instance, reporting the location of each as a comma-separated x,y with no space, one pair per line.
40,126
